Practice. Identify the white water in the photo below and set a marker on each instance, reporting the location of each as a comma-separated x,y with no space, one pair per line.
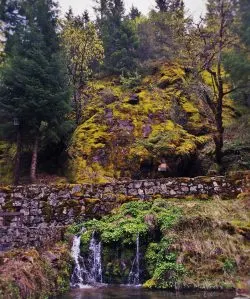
96,265
84,276
76,278
134,275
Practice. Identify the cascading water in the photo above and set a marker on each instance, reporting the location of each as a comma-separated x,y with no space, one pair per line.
77,278
95,256
89,273
134,275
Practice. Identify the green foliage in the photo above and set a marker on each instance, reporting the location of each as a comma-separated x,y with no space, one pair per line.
161,264
169,274
85,240
131,80
229,266
125,225
119,37
82,47
7,154
33,77
75,229
120,230
236,60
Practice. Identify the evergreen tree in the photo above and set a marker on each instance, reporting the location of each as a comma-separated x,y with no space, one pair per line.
33,80
170,5
236,61
134,13
101,10
119,37
244,14
161,35
162,5
86,17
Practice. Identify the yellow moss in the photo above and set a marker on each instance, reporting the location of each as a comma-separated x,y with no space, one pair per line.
241,224
107,146
228,104
150,284
92,200
189,107
169,72
89,136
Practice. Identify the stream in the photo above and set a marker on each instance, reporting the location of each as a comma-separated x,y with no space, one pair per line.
125,292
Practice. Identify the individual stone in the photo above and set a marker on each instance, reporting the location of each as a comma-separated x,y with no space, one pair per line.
149,191
108,189
148,184
132,192
141,192
215,184
138,184
184,189
172,192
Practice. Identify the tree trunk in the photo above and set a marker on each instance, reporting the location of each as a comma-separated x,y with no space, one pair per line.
17,158
33,165
77,106
218,141
218,138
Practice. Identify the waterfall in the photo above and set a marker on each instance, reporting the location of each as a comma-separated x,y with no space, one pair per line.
77,276
134,275
95,256
86,272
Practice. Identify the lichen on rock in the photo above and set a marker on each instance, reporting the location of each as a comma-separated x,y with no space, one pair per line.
120,139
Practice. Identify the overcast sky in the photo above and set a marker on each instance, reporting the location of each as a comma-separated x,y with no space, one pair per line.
195,7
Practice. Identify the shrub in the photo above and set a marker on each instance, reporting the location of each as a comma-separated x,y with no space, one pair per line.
130,81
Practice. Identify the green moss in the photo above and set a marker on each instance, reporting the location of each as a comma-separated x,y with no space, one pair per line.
8,206
116,138
7,156
47,211
229,266
85,240
118,233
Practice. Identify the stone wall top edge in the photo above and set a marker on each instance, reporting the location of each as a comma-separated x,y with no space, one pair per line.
12,188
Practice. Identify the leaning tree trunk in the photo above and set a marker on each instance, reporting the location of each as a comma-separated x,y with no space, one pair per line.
17,158
33,165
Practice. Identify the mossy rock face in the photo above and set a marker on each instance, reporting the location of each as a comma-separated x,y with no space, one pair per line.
117,264
118,139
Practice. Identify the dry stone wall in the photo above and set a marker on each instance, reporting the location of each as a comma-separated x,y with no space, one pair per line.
21,237
31,215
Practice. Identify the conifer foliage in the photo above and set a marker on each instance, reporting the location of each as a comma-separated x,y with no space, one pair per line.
119,37
33,79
